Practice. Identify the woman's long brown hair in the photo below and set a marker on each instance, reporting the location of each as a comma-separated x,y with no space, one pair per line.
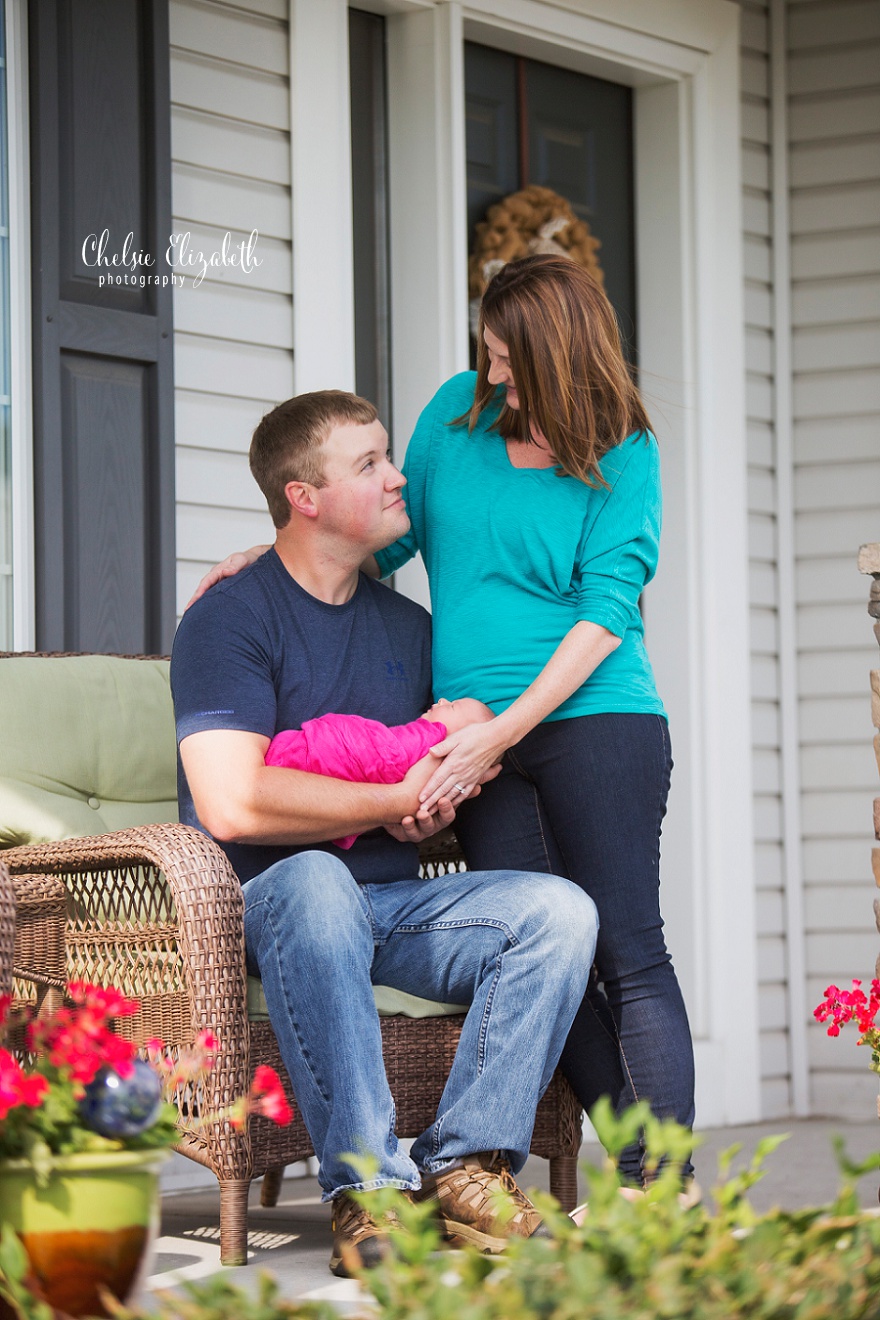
572,380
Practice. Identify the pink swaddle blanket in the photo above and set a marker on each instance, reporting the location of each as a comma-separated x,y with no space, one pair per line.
354,748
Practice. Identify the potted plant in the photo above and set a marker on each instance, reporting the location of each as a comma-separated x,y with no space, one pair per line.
84,1128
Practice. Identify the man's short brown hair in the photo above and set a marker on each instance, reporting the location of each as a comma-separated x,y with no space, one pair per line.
287,443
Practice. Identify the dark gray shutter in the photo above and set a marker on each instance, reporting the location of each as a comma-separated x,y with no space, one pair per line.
103,370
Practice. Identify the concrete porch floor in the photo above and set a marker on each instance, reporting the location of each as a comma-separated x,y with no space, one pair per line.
292,1240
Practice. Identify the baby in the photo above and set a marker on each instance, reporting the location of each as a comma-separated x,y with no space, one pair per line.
367,752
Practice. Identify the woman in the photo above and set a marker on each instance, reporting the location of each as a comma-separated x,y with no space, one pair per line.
534,495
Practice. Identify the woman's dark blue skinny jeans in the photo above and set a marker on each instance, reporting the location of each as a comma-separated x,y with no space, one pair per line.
585,798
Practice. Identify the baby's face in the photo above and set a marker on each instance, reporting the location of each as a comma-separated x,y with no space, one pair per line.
456,714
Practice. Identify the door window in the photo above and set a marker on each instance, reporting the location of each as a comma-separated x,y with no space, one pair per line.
532,123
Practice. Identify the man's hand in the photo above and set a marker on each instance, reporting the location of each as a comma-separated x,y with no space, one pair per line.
415,829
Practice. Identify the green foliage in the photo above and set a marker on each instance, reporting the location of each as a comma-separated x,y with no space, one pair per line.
55,1127
14,1269
218,1300
648,1259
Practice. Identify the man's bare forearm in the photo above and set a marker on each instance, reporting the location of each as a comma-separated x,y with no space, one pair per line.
240,799
313,809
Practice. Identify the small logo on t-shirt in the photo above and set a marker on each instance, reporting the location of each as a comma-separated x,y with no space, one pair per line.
394,669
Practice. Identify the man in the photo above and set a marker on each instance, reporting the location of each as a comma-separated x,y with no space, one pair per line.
300,633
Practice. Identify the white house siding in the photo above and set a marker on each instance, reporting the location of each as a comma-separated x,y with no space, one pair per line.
764,640
233,335
834,128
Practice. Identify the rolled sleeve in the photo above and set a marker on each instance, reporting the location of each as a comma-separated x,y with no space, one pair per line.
395,556
619,552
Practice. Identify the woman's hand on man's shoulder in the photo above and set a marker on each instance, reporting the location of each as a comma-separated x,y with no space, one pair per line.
227,567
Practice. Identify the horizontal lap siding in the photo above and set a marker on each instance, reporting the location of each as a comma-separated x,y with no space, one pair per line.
764,638
233,346
834,127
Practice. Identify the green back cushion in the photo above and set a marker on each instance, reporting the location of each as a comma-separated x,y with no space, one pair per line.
87,746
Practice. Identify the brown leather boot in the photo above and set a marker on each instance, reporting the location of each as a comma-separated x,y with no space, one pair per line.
360,1240
479,1202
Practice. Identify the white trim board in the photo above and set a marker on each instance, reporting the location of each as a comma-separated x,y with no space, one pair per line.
320,145
21,378
682,59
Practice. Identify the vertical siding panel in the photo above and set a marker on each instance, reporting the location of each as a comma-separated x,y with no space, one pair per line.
834,117
233,353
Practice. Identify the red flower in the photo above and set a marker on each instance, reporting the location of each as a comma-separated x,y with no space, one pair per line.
841,1006
18,1087
207,1041
33,1089
78,1041
107,1002
10,1083
266,1096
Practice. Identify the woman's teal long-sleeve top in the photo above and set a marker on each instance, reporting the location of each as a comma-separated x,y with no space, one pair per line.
517,556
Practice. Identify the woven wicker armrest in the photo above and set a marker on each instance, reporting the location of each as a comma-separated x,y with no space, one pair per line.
39,963
157,912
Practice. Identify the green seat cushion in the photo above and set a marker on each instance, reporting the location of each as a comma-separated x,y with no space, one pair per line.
87,746
389,1002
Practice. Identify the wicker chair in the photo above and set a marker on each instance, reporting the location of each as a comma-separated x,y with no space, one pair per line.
156,911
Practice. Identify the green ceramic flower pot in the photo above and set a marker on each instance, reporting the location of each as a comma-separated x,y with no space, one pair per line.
90,1228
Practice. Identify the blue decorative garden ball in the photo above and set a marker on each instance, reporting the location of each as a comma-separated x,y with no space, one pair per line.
118,1106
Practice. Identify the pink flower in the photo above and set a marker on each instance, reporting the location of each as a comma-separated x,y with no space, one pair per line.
188,1064
18,1087
266,1096
10,1083
841,1006
207,1041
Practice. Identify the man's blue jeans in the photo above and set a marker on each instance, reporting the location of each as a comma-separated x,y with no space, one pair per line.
516,947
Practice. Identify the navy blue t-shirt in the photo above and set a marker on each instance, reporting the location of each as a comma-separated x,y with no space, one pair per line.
258,653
